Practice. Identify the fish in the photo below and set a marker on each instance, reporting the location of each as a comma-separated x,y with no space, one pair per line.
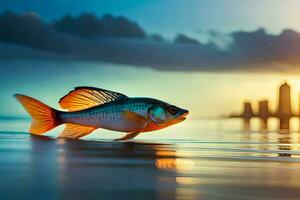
89,108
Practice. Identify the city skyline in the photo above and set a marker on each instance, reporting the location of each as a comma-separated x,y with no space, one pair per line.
284,111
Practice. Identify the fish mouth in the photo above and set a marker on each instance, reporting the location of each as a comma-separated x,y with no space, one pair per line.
179,119
182,117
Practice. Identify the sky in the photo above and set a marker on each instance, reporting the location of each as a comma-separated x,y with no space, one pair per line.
169,17
206,56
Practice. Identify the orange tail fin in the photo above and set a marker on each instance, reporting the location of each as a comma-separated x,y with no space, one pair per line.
44,118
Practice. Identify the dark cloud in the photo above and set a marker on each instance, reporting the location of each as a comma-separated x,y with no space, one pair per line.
119,40
89,26
260,47
29,30
11,52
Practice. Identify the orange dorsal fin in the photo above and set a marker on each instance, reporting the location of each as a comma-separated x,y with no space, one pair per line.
86,97
74,131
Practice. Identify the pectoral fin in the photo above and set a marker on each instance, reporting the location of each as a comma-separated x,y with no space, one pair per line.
128,136
133,118
74,131
136,118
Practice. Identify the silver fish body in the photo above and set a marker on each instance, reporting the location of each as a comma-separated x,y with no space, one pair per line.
111,115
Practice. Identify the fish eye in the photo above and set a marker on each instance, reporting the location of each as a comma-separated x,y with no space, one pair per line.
173,110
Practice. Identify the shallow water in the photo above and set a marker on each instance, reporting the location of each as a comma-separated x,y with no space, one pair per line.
198,159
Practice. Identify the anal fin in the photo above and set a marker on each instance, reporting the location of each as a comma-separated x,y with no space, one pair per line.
74,131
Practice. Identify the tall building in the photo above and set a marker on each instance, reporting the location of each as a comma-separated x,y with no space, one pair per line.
248,112
284,101
263,114
263,109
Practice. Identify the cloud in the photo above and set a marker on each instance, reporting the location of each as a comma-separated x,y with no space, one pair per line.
185,39
222,40
260,47
29,30
89,26
119,40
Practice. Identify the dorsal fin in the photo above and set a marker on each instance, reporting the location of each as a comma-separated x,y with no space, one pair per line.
86,97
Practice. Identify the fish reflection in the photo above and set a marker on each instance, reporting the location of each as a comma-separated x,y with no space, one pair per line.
108,169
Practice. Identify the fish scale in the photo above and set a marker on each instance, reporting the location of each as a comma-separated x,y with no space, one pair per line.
109,115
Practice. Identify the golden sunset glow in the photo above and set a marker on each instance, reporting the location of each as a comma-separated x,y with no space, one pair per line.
150,100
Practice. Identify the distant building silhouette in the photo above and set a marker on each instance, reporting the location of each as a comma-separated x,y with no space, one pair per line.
263,109
263,113
248,111
247,115
284,111
284,101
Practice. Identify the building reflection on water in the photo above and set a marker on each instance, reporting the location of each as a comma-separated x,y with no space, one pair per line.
284,146
287,136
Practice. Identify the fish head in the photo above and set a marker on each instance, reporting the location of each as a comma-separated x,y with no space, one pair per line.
164,114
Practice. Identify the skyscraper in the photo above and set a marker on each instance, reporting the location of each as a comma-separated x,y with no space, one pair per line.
263,113
284,101
284,111
263,109
248,112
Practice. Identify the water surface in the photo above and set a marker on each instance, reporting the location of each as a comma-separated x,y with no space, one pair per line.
198,159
